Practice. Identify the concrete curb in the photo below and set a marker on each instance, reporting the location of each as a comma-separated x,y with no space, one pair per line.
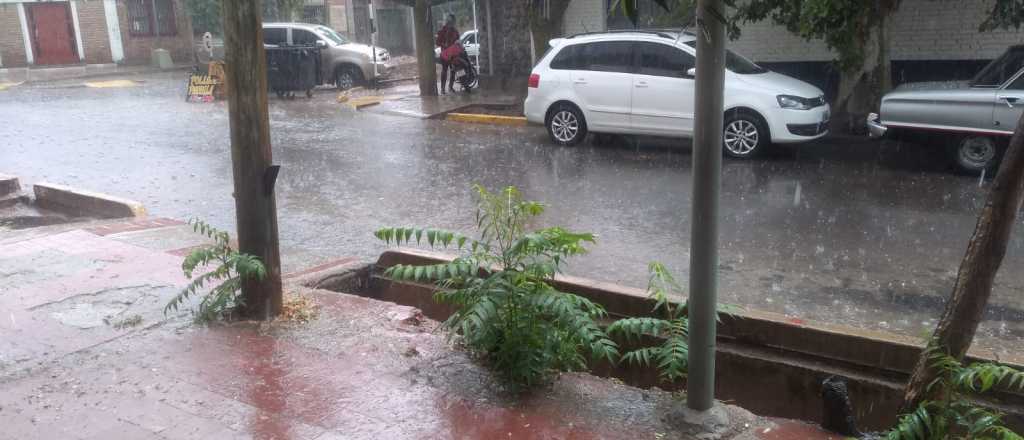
40,76
63,198
486,119
9,185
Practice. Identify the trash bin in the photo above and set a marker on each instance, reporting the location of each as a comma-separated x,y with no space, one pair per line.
293,69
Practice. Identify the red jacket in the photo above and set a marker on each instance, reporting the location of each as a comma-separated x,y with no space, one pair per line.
447,36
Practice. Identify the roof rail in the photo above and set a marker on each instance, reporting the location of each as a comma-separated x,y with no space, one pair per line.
665,33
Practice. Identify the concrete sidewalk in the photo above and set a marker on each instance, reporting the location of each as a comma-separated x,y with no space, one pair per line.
76,363
37,75
405,100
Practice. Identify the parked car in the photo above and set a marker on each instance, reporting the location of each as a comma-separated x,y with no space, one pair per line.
469,42
344,63
978,115
642,83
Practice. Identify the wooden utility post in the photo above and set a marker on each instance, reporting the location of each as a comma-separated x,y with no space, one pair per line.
255,206
425,48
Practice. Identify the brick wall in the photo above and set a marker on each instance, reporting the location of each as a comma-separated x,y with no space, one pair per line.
12,47
137,48
93,24
584,16
920,30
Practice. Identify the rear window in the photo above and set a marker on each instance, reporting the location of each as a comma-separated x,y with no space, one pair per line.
566,59
274,36
608,56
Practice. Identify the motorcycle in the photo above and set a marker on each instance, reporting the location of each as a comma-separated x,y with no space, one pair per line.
466,75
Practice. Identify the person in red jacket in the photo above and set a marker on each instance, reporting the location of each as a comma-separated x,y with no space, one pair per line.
446,37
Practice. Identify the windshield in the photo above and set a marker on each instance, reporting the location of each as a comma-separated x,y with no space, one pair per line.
330,34
1001,69
736,63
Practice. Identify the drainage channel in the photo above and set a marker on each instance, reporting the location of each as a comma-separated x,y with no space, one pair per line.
766,363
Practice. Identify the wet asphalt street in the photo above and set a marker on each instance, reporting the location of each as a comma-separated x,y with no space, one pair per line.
847,231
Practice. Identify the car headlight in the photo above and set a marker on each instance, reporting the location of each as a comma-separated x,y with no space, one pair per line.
793,102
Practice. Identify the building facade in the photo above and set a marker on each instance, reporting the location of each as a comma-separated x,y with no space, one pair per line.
930,40
76,32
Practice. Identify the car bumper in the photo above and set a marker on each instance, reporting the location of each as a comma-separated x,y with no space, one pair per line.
875,128
534,109
792,126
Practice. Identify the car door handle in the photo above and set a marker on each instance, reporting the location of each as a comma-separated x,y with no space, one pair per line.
580,81
641,84
1009,100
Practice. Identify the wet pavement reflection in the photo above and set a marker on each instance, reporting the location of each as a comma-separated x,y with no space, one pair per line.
845,230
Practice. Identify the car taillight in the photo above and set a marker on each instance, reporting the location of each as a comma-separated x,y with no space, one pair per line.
534,81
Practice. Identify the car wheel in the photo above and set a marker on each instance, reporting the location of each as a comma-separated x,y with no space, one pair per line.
566,125
743,136
976,154
345,77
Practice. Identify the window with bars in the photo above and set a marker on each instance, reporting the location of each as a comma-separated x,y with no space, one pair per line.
151,17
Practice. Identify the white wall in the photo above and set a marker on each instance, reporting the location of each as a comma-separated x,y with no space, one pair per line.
920,30
584,16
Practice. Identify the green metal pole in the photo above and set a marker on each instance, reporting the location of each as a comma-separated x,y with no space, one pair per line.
707,174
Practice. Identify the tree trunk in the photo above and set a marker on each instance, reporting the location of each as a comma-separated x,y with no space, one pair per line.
545,25
425,48
255,206
861,87
985,252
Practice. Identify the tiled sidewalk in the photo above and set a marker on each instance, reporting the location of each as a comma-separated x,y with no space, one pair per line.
364,369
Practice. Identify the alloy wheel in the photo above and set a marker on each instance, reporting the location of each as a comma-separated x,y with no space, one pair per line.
565,126
345,80
741,137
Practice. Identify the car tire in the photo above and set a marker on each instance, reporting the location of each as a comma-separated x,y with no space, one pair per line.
743,135
346,77
566,125
975,154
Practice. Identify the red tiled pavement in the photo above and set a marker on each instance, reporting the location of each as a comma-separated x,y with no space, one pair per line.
132,225
359,371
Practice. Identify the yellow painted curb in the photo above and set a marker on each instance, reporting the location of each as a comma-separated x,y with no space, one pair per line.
486,119
111,84
359,102
7,85
364,101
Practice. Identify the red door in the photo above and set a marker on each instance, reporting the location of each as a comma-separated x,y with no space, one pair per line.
53,35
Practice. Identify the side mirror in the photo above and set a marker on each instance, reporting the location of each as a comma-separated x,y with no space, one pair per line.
691,72
321,44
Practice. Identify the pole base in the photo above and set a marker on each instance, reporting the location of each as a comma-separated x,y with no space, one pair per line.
711,424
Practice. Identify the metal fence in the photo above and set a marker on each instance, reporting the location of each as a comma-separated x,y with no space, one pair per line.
314,14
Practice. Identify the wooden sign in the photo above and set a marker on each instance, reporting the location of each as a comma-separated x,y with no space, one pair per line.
201,88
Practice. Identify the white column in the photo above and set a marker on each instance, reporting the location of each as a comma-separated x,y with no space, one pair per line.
113,30
78,30
29,58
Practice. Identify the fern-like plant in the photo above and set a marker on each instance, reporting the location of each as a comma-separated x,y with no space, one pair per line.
229,269
671,356
954,415
507,312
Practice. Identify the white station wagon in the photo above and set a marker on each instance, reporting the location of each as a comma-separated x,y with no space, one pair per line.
642,83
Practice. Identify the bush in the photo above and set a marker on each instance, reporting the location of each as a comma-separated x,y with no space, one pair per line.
507,312
671,356
230,269
954,414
